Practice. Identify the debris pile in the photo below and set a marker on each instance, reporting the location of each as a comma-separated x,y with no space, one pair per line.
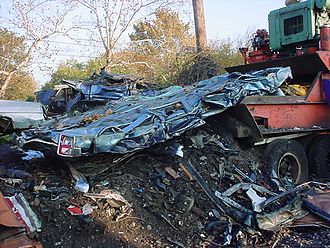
159,170
200,189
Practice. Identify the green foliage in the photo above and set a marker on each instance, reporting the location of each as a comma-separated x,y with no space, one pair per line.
166,53
73,70
12,53
225,53
12,49
22,86
166,33
30,98
6,139
160,46
197,67
163,51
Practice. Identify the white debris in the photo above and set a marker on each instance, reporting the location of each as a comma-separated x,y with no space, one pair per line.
256,200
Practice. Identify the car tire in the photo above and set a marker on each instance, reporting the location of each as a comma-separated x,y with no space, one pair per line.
288,159
319,156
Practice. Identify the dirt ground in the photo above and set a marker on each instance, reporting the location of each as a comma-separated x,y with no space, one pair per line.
167,209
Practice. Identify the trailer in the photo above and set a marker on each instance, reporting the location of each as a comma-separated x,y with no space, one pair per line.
295,128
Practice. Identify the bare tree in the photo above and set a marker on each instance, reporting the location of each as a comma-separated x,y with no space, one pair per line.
112,18
245,39
36,21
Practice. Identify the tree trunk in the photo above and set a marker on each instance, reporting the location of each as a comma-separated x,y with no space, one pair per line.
6,83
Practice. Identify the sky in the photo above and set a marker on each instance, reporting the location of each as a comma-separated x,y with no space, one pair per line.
227,18
224,19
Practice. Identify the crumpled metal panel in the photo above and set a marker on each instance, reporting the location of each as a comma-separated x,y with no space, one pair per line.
104,92
136,122
281,218
45,97
22,114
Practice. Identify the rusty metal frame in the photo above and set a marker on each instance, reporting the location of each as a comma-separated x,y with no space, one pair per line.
276,116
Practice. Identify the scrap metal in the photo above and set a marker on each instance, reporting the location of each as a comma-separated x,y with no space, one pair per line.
137,122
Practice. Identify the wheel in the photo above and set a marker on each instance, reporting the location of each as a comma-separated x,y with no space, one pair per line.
307,141
287,158
319,156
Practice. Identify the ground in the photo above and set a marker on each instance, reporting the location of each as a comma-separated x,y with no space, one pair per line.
167,208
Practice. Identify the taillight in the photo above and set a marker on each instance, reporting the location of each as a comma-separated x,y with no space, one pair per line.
65,147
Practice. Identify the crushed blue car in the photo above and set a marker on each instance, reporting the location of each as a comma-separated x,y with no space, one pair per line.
83,95
136,122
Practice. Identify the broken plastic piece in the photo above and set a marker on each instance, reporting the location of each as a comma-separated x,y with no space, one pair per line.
87,209
177,150
139,190
82,185
74,210
158,178
214,213
11,181
38,188
256,200
81,182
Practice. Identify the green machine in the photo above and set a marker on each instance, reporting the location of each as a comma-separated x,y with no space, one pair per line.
298,25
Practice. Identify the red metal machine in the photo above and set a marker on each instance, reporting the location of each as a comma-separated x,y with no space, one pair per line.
285,114
294,127
261,49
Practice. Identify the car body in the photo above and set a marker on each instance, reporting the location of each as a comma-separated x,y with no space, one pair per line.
83,95
137,122
19,115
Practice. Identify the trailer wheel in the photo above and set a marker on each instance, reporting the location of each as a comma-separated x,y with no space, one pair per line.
307,141
288,159
319,156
